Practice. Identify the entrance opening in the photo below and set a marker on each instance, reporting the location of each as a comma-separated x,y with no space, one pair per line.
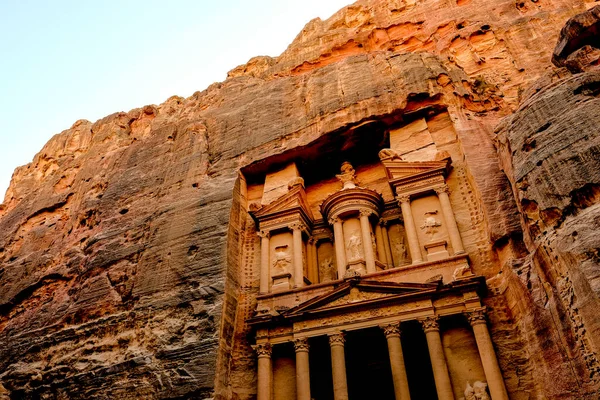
321,381
418,364
368,365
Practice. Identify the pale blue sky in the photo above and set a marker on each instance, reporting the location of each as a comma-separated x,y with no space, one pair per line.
61,61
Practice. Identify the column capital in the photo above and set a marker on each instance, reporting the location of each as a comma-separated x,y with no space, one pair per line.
403,198
391,330
442,189
430,324
337,339
476,316
334,220
383,223
263,349
312,240
298,226
365,212
263,234
301,344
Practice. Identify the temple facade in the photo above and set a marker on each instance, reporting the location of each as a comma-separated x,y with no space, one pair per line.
365,286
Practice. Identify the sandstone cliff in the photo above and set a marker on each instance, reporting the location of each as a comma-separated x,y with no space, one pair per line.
120,243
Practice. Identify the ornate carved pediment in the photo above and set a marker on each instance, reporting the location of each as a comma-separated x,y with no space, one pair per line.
357,293
411,176
290,207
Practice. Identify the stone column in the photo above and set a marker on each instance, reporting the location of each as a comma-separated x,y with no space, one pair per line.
265,371
392,334
488,355
313,266
297,255
453,233
340,246
411,231
302,369
338,366
365,228
265,275
441,376
386,244
382,256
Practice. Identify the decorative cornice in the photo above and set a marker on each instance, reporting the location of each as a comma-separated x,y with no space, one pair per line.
263,349
442,189
263,234
391,330
337,339
476,316
430,324
301,345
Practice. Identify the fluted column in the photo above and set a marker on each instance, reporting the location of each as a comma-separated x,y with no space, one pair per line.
411,231
443,195
382,257
488,355
338,366
302,369
340,246
297,253
365,228
265,275
386,244
441,376
265,371
392,334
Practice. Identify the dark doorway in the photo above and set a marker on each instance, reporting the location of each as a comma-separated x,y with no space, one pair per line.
368,366
321,384
418,364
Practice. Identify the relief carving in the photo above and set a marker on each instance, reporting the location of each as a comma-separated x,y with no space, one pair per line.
353,247
402,252
430,225
282,260
476,392
326,270
389,155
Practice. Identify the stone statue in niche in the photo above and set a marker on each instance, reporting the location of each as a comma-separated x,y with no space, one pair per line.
282,260
353,247
430,225
402,251
326,270
476,392
347,176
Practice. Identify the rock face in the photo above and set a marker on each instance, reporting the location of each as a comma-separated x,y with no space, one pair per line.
121,243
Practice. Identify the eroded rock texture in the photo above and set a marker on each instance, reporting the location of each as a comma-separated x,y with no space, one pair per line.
120,244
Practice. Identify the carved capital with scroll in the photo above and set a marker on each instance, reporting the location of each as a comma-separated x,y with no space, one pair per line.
403,198
263,234
365,212
442,189
337,339
263,349
476,316
430,324
391,330
334,220
301,345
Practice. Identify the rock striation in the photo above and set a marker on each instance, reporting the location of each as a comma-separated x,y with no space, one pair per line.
121,243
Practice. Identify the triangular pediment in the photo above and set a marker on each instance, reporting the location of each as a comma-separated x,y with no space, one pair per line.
293,200
355,293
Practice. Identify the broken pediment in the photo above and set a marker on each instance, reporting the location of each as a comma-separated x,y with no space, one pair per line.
413,176
290,207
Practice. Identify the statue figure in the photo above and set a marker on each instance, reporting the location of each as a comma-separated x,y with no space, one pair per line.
389,154
430,224
282,260
476,392
353,247
326,270
348,176
402,251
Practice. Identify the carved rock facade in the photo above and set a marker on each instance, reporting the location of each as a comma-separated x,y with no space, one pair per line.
131,248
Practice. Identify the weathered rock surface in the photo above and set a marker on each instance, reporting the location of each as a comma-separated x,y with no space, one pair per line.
120,243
